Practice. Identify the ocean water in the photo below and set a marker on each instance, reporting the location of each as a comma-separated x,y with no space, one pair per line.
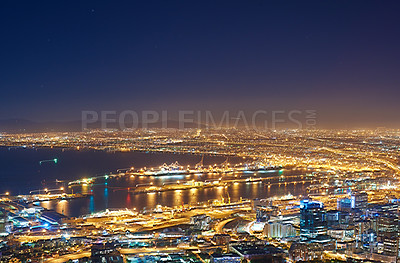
21,172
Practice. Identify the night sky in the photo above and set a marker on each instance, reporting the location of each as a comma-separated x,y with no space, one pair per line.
341,58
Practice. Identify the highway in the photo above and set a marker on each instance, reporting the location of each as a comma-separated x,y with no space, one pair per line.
67,257
220,225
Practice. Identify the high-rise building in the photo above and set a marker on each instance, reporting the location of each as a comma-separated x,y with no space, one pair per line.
312,219
387,233
359,200
344,204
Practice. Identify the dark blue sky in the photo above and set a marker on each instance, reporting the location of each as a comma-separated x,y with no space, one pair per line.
341,58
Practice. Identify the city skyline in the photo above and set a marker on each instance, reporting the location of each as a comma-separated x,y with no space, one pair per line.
200,131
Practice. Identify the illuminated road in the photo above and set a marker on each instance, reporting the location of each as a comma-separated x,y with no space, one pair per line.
65,258
220,225
357,155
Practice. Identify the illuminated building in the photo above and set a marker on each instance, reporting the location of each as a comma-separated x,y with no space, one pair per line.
225,258
305,252
279,228
257,251
359,200
200,222
312,219
387,233
344,204
105,252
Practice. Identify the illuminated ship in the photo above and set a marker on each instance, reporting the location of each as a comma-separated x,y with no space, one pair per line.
165,170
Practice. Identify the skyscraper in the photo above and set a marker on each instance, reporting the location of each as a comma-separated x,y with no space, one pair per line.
312,219
387,230
359,200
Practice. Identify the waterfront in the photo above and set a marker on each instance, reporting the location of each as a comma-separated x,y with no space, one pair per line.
74,165
111,196
21,172
145,199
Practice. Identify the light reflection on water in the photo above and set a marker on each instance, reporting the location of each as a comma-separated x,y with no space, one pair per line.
116,195
72,165
91,204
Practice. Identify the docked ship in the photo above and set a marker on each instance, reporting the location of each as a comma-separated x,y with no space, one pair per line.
165,170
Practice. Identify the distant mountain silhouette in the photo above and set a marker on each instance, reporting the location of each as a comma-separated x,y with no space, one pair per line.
23,125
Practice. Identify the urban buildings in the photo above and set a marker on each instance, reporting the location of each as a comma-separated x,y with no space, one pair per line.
312,219
347,209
